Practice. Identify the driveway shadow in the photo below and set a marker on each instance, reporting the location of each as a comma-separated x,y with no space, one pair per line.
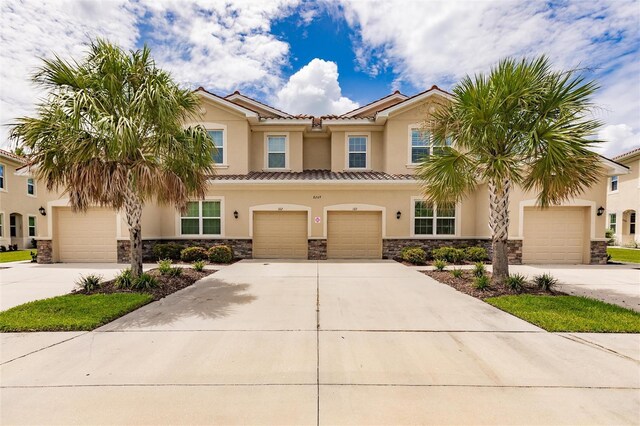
208,299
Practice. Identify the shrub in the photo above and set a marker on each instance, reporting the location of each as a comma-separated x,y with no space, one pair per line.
611,237
191,254
449,254
479,270
34,256
164,266
34,243
198,265
608,258
482,282
175,271
439,264
124,279
414,255
145,281
220,254
89,282
457,273
167,251
545,281
515,282
3,249
476,254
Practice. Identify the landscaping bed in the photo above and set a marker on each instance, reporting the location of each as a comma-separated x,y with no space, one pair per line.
465,285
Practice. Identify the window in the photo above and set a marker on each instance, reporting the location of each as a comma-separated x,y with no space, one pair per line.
2,176
276,152
357,151
201,218
430,219
13,230
31,186
420,142
218,142
1,225
614,183
632,223
32,226
612,221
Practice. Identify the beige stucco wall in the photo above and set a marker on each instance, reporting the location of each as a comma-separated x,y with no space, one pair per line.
316,153
625,200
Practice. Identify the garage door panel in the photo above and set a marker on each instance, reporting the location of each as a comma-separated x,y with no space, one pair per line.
86,237
280,235
554,235
354,235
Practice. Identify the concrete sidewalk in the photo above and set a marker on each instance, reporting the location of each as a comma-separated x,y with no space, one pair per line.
319,343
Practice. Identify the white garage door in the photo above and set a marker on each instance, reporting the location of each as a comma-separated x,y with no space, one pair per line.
280,235
354,235
554,235
86,237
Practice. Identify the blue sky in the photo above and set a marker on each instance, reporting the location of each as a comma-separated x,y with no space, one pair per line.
330,56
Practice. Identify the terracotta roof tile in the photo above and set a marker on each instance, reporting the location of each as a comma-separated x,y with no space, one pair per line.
314,175
627,154
12,155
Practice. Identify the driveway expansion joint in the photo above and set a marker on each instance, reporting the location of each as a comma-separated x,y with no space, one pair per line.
44,348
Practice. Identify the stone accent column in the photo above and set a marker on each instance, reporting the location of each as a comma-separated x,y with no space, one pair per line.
598,252
45,251
124,248
317,249
514,252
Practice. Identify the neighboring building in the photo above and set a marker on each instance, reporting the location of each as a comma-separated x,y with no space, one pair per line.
296,186
623,200
19,203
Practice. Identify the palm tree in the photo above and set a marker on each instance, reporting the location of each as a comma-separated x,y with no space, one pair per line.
522,124
111,132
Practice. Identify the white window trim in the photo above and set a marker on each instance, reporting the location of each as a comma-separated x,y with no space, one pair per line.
4,168
178,221
35,226
280,208
286,167
609,221
434,236
410,129
4,224
35,188
609,191
347,135
217,126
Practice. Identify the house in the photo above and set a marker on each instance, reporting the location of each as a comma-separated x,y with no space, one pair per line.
19,203
623,200
336,187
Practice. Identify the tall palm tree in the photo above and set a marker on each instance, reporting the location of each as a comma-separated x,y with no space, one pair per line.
110,132
522,124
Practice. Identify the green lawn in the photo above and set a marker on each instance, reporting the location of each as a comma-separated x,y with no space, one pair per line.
12,256
71,312
569,313
624,254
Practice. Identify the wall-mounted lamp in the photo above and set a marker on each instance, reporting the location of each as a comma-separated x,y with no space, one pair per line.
235,214
42,211
600,211
398,214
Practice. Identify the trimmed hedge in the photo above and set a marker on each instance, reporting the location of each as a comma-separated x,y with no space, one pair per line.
193,254
476,254
449,254
414,255
220,254
167,251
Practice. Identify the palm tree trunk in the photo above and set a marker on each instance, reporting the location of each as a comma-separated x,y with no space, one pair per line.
133,213
499,224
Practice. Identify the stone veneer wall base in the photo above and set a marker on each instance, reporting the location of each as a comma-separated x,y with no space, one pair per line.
241,248
598,252
45,251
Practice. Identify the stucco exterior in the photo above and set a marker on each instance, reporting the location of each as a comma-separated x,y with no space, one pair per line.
623,201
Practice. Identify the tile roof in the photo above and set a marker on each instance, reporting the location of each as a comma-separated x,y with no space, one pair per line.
364,107
237,92
627,154
314,175
12,156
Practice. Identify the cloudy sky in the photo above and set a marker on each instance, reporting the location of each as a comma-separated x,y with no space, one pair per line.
331,56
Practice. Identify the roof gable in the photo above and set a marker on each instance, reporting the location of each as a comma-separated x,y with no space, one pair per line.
372,108
263,109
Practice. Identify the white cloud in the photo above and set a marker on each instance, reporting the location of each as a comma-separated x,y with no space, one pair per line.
619,138
427,43
314,90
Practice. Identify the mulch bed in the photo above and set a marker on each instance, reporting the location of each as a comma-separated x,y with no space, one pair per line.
464,284
167,284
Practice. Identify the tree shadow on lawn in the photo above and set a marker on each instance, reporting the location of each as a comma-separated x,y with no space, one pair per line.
209,298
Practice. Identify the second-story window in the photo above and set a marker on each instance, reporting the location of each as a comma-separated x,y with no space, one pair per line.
2,177
420,145
218,142
31,186
357,151
614,183
276,152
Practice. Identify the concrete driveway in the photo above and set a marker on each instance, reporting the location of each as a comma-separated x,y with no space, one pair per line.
319,343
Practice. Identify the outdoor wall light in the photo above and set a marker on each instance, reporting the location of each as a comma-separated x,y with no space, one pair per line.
398,214
235,214
600,210
42,211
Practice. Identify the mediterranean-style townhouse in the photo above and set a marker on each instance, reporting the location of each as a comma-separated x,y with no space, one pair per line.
332,187
20,201
623,200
